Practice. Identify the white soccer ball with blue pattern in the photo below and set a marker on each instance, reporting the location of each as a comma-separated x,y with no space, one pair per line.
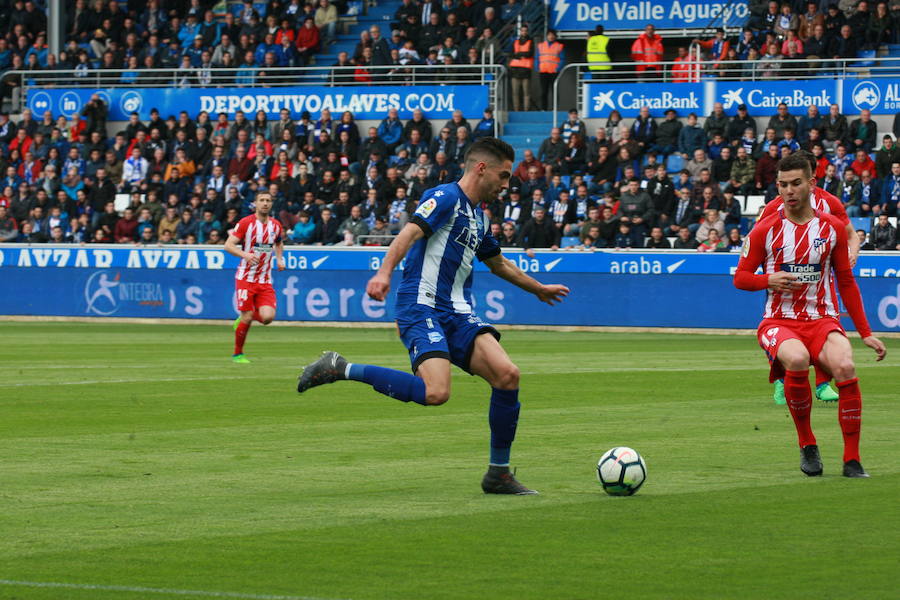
621,471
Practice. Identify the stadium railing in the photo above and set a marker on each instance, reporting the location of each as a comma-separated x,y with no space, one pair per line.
787,70
492,75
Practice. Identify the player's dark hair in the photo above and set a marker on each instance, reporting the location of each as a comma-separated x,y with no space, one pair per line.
798,161
496,148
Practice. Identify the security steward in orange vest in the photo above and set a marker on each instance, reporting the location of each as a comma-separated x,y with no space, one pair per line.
521,65
549,63
647,51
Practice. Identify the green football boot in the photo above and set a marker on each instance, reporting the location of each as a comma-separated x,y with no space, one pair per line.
826,393
779,392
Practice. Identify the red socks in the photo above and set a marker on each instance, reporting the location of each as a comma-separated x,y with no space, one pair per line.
240,334
799,401
821,376
850,416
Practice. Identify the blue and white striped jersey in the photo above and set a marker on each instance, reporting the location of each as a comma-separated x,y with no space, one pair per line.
438,268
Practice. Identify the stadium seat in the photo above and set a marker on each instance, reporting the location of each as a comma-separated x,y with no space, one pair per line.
746,225
867,61
674,163
752,205
569,241
893,221
864,223
566,180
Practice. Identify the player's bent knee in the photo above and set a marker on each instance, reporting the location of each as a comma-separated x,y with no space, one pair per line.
844,370
436,397
508,378
267,320
795,360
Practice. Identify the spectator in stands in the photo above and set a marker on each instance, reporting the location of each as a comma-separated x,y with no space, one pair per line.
808,21
845,45
830,181
552,150
869,194
863,132
572,125
765,169
713,242
657,240
884,235
539,232
309,41
691,138
667,132
508,238
647,51
888,154
9,229
486,127
698,163
636,207
521,63
326,20
811,120
354,226
848,193
644,129
743,172
890,191
717,46
782,120
863,243
841,159
862,163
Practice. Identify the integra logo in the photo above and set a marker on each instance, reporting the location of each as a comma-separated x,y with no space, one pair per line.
805,273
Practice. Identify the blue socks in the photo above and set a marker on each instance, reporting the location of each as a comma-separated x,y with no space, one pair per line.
395,384
503,415
503,418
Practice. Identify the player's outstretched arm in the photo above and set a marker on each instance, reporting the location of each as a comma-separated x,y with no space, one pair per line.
231,247
380,284
506,269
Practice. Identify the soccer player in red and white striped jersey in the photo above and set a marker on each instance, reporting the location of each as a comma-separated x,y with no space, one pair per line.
825,202
798,247
254,240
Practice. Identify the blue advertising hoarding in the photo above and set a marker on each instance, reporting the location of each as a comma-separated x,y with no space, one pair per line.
881,96
328,284
583,15
761,97
365,102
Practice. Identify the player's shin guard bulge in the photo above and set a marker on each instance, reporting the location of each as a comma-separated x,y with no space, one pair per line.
850,416
799,401
503,418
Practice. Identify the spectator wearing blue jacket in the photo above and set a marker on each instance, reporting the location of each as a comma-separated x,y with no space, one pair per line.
487,126
268,45
391,130
195,51
890,191
691,137
304,232
189,30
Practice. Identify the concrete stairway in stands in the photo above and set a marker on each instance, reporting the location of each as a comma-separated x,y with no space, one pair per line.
527,129
380,15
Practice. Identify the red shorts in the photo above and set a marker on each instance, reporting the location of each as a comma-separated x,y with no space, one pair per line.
773,332
250,296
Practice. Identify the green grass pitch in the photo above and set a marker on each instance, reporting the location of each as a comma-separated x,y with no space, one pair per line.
137,459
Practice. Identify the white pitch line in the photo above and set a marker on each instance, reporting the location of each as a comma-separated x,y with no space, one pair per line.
102,381
147,590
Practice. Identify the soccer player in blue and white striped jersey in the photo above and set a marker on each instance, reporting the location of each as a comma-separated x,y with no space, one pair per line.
446,234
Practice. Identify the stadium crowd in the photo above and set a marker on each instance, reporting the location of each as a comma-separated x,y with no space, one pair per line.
649,181
632,184
816,31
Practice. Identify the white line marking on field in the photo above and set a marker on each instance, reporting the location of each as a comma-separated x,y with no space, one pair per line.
102,381
147,590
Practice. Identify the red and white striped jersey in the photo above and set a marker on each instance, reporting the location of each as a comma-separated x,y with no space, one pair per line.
810,251
258,238
820,200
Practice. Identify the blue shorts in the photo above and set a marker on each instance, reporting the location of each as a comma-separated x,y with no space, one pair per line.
430,333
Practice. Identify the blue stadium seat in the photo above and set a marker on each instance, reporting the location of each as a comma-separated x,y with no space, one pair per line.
867,57
864,223
569,241
893,50
674,163
746,225
566,180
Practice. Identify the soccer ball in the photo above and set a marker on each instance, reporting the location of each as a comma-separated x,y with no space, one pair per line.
621,471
